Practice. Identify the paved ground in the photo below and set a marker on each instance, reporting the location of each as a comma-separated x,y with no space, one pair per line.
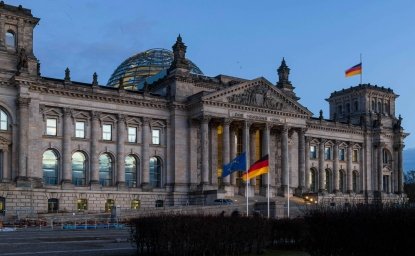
67,242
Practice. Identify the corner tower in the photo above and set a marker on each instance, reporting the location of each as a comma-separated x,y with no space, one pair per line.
16,41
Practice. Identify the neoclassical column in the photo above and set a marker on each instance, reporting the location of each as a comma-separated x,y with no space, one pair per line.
284,159
307,163
349,168
233,153
121,135
205,148
400,169
379,166
252,153
226,147
5,167
169,165
145,174
266,151
95,136
321,171
67,147
23,106
301,158
336,166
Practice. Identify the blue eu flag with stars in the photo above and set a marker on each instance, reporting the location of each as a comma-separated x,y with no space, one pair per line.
237,164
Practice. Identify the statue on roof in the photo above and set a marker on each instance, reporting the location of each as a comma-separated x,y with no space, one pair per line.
179,52
22,61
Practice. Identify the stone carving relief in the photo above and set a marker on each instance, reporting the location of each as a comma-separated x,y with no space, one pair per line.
260,96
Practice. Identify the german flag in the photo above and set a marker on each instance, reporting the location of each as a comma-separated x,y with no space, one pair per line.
258,168
355,70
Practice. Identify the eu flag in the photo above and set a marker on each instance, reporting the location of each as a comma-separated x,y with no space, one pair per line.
237,164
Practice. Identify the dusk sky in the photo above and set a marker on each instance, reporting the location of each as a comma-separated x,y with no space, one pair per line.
248,39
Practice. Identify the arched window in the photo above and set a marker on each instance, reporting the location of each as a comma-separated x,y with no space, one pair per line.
53,205
131,171
82,204
10,39
329,183
387,159
313,180
342,181
50,165
135,204
3,120
105,170
355,177
78,169
155,172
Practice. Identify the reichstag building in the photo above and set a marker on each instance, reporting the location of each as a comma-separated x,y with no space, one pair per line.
159,132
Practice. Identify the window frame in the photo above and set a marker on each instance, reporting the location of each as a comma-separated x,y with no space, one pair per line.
79,130
342,154
4,120
84,169
55,170
355,155
55,119
327,149
106,133
130,135
313,153
7,39
156,140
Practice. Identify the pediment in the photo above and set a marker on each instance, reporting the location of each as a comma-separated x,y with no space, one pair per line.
80,115
258,93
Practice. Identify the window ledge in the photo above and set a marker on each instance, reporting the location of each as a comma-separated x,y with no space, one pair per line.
51,136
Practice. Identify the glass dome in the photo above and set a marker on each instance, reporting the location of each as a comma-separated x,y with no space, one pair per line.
137,68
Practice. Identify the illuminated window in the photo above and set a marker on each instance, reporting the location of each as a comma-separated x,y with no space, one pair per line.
106,132
109,204
50,167
51,124
155,135
3,120
135,204
2,206
79,129
132,134
82,204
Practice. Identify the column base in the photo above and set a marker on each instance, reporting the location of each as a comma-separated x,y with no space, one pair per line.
121,185
67,184
29,182
146,187
94,185
299,191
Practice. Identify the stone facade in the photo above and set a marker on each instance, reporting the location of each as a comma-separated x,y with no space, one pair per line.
71,141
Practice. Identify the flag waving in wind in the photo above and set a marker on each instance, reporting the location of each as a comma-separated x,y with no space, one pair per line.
355,70
237,164
258,168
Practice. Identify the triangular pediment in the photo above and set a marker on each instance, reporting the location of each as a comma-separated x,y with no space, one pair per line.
257,93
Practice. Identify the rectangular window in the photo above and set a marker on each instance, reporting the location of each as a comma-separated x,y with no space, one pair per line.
341,154
155,134
355,155
51,126
313,152
3,121
327,153
80,129
132,134
106,132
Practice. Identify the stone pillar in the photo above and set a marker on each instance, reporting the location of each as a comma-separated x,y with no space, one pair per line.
5,167
121,135
23,106
336,166
301,159
95,137
145,174
349,168
2,32
205,149
233,152
67,147
400,169
266,151
284,160
226,148
307,163
170,179
321,171
379,167
245,139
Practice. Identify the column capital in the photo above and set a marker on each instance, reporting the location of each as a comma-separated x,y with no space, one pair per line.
95,114
146,120
205,118
227,121
285,129
323,141
67,112
23,102
122,117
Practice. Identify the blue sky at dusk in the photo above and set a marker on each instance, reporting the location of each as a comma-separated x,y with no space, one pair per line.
248,39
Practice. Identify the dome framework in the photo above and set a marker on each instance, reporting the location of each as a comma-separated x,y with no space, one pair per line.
134,70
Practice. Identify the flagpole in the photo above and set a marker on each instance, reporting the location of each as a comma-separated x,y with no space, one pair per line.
247,168
288,195
361,72
268,135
